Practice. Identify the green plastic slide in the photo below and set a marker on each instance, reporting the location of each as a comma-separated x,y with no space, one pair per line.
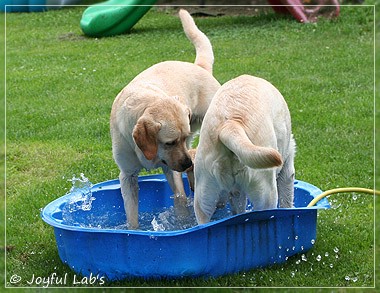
113,17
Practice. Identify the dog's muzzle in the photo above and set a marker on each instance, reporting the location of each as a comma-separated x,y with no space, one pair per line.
181,166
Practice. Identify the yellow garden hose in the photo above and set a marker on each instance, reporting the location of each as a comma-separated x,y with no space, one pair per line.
340,190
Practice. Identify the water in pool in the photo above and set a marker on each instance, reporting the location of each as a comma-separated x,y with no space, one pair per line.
77,212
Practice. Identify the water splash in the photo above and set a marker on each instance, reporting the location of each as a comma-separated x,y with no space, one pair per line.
79,183
156,226
81,199
167,220
81,188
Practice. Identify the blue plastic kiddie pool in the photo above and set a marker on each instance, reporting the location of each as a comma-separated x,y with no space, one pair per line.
92,241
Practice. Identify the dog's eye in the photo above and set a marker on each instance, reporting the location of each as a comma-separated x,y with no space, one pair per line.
171,143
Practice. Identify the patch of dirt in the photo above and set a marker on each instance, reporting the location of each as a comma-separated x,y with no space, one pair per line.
70,36
216,7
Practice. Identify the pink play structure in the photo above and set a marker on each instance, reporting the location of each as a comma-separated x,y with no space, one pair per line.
305,12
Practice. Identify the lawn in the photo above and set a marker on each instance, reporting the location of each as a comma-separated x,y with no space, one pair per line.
60,87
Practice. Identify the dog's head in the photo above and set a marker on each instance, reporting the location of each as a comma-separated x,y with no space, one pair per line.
161,133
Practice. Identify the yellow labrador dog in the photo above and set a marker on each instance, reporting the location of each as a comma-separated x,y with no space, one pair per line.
246,149
151,117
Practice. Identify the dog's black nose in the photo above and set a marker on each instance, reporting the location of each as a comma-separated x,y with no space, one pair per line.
187,163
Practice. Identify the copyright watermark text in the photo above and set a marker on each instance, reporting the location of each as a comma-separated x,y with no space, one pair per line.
55,280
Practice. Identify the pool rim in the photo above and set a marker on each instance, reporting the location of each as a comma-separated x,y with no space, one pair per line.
54,207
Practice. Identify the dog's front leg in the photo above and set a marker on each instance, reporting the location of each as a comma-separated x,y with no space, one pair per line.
130,191
176,184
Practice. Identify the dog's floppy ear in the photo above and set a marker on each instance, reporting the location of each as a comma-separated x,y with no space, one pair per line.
145,136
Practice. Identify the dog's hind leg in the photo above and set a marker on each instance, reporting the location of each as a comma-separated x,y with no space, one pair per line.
285,185
207,197
285,180
262,191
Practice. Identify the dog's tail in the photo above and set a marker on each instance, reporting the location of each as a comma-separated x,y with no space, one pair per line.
204,54
234,137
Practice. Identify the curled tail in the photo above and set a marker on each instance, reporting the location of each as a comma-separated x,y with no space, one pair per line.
204,54
233,136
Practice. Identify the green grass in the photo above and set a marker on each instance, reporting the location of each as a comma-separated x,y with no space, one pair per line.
60,87
2,158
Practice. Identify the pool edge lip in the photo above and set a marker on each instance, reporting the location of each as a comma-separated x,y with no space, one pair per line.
53,207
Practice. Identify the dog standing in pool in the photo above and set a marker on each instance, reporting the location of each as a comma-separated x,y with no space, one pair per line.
151,119
246,149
